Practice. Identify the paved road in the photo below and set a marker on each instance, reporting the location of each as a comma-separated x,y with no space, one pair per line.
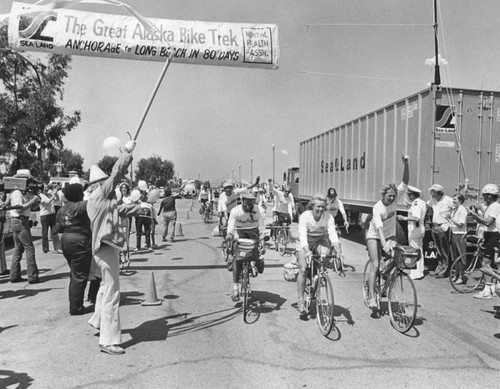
197,338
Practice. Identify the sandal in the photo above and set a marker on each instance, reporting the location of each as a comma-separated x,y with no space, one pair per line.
236,295
111,349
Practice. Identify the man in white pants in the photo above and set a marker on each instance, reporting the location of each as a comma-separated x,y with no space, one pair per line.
108,239
416,227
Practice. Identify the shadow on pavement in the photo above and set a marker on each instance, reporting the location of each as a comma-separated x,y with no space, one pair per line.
9,378
6,328
131,298
195,267
21,293
267,297
339,311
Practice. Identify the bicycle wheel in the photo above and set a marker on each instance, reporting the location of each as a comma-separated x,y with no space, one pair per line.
402,302
366,288
245,280
464,273
324,304
281,242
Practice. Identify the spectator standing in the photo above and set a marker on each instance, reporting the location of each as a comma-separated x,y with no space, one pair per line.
441,205
169,215
3,213
416,228
74,225
458,220
143,219
48,219
23,241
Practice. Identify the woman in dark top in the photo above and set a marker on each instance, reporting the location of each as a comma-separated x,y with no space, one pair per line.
73,222
167,205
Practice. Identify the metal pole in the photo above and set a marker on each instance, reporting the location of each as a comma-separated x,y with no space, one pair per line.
239,172
274,164
251,169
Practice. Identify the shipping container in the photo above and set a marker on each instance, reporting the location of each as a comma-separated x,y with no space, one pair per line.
451,135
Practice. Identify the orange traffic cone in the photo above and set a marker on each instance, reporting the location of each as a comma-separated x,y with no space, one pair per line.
179,229
151,296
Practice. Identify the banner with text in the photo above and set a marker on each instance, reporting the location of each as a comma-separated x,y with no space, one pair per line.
66,31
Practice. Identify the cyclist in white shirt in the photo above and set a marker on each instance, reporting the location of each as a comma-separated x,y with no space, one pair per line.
229,199
491,219
382,228
316,229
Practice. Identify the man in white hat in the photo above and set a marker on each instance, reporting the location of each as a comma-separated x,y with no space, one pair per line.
108,238
442,205
416,228
23,240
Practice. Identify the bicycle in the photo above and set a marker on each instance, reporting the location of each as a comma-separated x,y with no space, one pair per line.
207,213
465,274
248,251
281,236
392,281
319,292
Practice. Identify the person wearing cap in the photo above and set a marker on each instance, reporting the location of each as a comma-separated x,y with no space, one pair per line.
108,239
205,198
381,233
143,219
23,240
48,219
317,232
441,205
334,205
416,227
229,199
245,221
490,218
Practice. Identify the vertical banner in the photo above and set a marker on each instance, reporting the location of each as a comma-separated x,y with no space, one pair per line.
68,31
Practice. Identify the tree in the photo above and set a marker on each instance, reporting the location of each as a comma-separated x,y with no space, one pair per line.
31,118
155,170
106,164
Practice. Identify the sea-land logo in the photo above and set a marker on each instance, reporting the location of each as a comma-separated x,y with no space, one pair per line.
37,28
445,119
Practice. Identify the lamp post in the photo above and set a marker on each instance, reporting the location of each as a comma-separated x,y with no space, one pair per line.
232,174
251,169
239,172
274,164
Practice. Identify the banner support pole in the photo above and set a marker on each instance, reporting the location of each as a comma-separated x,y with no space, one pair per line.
155,90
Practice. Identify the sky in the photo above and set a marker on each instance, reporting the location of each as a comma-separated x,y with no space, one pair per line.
338,60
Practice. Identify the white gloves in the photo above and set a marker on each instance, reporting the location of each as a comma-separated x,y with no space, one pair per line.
129,146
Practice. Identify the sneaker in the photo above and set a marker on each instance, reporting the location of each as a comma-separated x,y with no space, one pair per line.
236,295
137,249
458,281
301,307
163,239
260,265
230,264
372,303
484,294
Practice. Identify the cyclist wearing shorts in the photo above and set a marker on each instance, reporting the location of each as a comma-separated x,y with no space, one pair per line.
316,229
491,220
245,221
284,206
382,228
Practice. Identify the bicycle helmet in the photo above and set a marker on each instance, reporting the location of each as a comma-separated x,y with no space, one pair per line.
491,189
228,184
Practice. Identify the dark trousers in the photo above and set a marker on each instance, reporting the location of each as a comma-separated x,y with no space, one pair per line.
77,250
23,242
143,227
442,239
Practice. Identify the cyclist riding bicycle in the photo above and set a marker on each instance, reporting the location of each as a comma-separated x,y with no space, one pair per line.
491,220
205,198
316,229
245,221
334,206
381,233
229,199
284,206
